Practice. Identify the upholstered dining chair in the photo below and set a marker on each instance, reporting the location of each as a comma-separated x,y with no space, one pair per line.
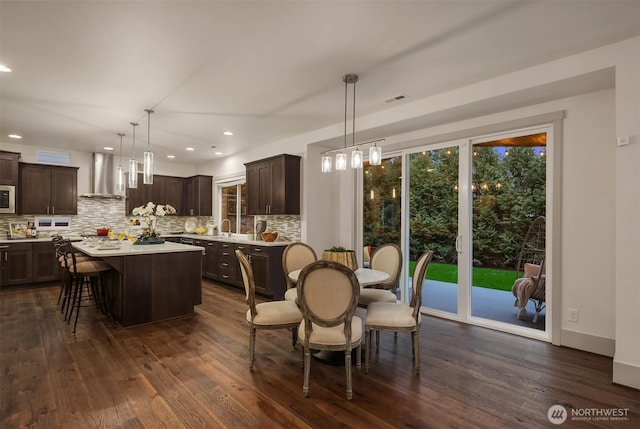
296,256
387,258
328,294
398,317
266,315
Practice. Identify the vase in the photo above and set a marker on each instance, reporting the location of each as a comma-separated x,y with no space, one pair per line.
347,258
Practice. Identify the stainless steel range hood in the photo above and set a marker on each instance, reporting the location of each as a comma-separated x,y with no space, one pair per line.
102,177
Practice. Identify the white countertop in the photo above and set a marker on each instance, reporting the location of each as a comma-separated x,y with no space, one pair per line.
231,239
126,248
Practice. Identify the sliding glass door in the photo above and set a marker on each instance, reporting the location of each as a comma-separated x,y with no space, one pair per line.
433,222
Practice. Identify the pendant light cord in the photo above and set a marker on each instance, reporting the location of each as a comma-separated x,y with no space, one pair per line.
133,147
346,84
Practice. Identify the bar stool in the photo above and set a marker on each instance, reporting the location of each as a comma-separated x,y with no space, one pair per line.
61,250
85,275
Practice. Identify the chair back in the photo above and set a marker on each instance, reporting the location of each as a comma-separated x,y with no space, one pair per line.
296,256
247,280
418,279
388,258
328,293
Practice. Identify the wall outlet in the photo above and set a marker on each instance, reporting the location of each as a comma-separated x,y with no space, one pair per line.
572,315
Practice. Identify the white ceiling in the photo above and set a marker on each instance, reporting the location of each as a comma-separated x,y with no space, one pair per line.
266,70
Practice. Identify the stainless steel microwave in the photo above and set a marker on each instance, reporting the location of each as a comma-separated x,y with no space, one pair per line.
7,199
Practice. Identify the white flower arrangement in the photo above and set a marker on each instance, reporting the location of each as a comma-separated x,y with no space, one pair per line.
149,213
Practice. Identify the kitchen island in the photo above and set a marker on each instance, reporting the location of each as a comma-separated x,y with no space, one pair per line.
149,283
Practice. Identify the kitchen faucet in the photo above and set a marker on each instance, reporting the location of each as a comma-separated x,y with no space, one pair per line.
222,227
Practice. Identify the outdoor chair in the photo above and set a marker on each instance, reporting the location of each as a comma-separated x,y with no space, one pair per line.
530,270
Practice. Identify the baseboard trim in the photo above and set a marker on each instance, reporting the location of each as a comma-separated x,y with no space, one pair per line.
626,374
588,343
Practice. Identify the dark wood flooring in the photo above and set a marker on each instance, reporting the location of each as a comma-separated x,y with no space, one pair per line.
193,373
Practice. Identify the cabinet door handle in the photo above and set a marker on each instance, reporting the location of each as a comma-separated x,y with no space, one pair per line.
53,209
224,276
224,264
257,249
47,209
225,254
4,247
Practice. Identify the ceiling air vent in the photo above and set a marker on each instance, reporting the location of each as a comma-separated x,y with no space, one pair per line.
396,98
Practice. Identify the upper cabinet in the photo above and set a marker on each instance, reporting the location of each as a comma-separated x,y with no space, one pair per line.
199,196
165,190
9,168
48,189
273,186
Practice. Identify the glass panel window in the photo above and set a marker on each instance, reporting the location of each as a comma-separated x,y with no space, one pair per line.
233,206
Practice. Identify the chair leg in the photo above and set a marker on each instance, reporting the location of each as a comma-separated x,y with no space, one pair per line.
77,305
367,348
307,364
252,346
359,356
377,340
415,340
347,368
294,336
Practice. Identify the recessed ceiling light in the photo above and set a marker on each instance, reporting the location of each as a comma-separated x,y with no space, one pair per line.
228,133
108,148
4,69
15,136
190,149
171,156
218,153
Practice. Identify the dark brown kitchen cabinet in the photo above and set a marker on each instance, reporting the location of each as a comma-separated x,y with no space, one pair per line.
47,189
9,162
23,263
268,275
210,264
45,265
199,192
273,185
137,196
16,264
164,190
228,267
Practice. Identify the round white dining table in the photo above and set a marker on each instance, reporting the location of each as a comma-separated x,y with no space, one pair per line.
366,276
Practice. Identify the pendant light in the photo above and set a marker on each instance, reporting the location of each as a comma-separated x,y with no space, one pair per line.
356,154
326,163
148,155
120,170
133,164
375,155
357,157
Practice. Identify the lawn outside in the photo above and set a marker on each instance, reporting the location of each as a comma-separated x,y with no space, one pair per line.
489,278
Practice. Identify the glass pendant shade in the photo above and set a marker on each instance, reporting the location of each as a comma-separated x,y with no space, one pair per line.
356,158
326,164
148,168
341,161
120,180
147,171
133,173
375,155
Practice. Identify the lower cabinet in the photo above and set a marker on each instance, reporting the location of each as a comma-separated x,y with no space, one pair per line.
220,263
23,263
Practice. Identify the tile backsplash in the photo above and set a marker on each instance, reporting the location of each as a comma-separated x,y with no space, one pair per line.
94,213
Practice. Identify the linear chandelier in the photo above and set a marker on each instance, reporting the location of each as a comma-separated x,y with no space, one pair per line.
375,152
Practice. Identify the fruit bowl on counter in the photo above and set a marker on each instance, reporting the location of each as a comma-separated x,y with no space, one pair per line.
269,236
102,232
